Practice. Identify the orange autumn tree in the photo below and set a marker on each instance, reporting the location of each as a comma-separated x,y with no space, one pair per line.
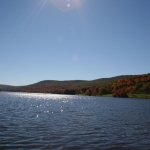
120,93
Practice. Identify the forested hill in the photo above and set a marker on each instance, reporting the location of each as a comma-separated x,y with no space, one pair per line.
54,86
7,87
120,86
78,83
104,81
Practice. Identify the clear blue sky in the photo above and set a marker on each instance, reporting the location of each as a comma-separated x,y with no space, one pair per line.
100,38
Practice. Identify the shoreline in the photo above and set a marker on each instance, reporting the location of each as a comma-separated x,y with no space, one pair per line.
144,96
139,96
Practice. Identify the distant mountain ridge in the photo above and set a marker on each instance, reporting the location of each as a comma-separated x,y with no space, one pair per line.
6,87
65,84
119,86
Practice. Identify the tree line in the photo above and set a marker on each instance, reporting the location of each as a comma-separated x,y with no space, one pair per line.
120,88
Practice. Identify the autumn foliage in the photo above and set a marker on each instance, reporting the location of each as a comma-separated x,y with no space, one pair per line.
120,93
119,88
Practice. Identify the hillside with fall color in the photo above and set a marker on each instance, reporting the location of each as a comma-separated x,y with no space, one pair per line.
120,86
52,86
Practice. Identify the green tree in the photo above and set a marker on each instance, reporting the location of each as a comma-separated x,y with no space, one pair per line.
70,92
138,86
102,91
146,87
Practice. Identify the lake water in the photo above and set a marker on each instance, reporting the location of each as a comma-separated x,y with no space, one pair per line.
62,122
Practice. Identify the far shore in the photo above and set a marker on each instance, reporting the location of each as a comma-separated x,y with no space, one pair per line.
144,96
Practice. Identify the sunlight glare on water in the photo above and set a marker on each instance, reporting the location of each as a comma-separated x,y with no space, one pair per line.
39,96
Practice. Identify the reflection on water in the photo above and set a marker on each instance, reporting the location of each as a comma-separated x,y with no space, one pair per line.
45,121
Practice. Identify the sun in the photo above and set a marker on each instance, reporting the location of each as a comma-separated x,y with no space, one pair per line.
63,5
66,5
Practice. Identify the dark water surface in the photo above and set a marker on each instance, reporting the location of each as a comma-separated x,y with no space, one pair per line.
61,122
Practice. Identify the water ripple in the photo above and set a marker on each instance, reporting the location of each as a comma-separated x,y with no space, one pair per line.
46,121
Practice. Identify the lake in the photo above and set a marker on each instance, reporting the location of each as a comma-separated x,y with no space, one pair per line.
63,122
